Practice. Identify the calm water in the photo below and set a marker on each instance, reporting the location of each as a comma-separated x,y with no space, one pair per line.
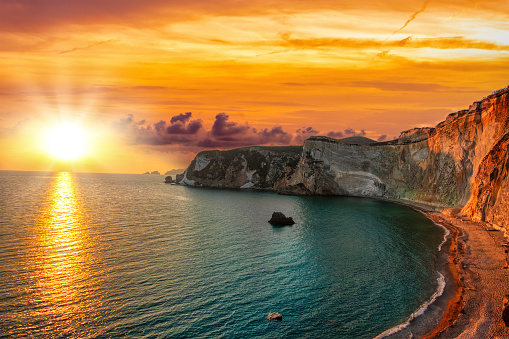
103,255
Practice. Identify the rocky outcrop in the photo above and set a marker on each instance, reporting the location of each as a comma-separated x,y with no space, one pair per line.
169,180
279,219
179,178
248,167
463,162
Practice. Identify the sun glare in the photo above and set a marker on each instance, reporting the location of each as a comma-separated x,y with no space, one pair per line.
66,141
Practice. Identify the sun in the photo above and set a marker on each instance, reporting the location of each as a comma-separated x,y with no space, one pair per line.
66,141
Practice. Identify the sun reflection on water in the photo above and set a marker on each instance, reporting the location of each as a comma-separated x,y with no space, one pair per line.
62,292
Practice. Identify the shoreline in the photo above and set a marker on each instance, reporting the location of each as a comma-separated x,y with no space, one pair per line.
478,280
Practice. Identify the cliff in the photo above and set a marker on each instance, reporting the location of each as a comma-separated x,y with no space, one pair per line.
248,167
462,162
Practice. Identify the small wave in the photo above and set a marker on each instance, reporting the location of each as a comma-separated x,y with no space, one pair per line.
446,235
420,311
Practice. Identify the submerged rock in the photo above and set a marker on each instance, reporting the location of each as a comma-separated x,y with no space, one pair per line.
279,219
274,316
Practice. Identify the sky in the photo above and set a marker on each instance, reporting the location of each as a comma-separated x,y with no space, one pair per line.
151,83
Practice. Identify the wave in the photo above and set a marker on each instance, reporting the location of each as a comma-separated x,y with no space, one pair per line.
446,235
420,311
439,291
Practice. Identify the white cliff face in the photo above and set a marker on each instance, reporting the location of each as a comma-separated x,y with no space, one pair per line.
185,181
201,163
432,165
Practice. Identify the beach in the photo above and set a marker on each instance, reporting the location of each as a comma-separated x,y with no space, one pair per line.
478,265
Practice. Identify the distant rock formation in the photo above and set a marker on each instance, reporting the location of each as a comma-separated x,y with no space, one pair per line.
169,180
279,219
155,172
463,162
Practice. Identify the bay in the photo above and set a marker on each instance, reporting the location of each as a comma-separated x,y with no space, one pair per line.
116,255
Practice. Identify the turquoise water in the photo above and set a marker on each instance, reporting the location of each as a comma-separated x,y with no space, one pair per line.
110,255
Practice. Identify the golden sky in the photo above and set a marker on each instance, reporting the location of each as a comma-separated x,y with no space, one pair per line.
152,82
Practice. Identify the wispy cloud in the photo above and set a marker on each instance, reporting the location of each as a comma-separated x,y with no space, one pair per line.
412,17
86,47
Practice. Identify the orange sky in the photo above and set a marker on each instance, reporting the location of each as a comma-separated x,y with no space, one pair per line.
249,72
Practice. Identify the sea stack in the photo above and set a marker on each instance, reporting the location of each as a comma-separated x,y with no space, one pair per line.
279,219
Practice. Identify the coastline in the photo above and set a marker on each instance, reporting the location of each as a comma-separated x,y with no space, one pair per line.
478,279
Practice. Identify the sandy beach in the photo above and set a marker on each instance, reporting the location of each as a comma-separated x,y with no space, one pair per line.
478,264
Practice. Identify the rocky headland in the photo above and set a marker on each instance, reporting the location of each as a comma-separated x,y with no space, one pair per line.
249,167
461,163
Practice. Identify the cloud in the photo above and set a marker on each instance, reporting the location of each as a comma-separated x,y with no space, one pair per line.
400,86
224,128
229,134
181,117
457,42
412,17
336,135
348,132
276,135
303,133
87,47
178,131
404,41
191,133
149,88
381,138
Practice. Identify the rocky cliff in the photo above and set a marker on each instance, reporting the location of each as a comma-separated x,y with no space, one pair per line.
248,167
462,162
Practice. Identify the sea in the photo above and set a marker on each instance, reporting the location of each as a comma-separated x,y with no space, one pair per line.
127,256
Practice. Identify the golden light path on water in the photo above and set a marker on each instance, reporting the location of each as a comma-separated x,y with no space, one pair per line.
58,261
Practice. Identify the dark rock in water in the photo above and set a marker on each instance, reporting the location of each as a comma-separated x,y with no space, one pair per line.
505,310
279,219
274,316
179,178
169,180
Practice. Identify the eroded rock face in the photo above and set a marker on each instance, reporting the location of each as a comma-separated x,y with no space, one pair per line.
462,162
432,165
249,167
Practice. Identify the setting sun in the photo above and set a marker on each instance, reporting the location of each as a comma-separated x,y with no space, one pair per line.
66,141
